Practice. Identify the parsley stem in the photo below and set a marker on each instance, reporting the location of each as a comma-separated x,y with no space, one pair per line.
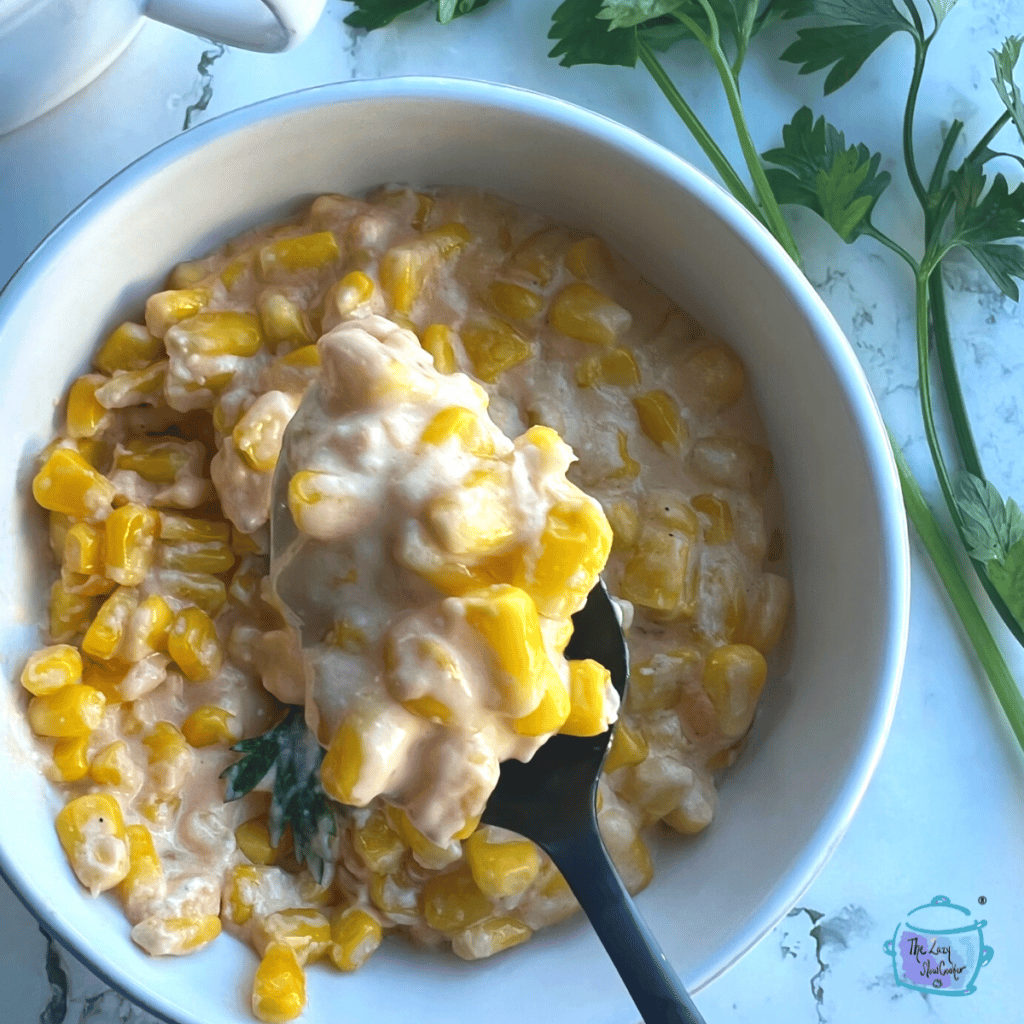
939,172
941,553
772,214
732,181
920,55
871,231
1001,123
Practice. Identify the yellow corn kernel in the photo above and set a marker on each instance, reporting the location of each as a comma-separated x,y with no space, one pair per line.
431,709
91,586
634,865
506,619
623,519
191,272
317,501
191,933
437,340
474,520
351,292
234,270
303,358
429,854
95,450
68,484
454,901
464,424
253,838
71,711
472,824
719,515
194,645
227,333
502,869
617,367
670,510
766,616
628,748
106,677
51,669
379,846
587,683
307,252
490,937
258,434
165,309
494,346
153,619
549,714
539,255
134,387
112,765
574,548
59,527
717,374
71,758
656,684
240,892
514,301
404,268
655,575
282,321
83,549
279,988
156,461
188,530
130,347
347,636
208,725
130,537
630,468
86,415
198,588
210,556
660,420
733,678
355,935
91,831
343,762
307,931
69,613
588,258
731,462
580,311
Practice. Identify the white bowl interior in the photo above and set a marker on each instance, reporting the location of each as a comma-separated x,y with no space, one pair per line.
824,719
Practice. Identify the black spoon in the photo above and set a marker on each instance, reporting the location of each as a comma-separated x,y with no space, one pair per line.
552,799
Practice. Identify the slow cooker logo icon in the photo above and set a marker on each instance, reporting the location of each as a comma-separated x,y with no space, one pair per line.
939,949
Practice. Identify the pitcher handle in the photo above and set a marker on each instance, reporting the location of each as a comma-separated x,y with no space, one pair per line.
266,26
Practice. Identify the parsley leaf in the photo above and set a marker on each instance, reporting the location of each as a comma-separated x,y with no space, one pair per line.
861,27
371,14
995,534
583,39
629,13
817,170
288,757
982,222
940,8
1005,61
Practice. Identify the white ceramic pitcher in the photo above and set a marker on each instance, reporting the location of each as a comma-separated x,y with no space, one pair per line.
49,49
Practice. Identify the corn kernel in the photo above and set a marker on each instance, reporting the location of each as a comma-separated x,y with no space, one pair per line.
165,309
71,758
454,901
194,645
51,669
719,516
134,387
437,340
156,461
588,258
253,839
282,321
660,420
279,988
211,556
306,252
68,484
617,368
379,846
240,891
130,347
573,550
106,677
588,716
474,520
112,766
429,854
69,612
502,869
718,375
404,269
670,510
494,346
91,831
233,272
766,617
343,762
731,462
506,619
539,255
623,519
461,423
320,506
71,711
490,937
630,468
352,291
580,311
656,574
224,334
86,415
185,529
628,748
130,539
733,678
208,725
201,589
514,301
83,549
549,715
187,933
656,685
355,935
258,434
305,357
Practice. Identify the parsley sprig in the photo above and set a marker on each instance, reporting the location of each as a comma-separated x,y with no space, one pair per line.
964,208
286,760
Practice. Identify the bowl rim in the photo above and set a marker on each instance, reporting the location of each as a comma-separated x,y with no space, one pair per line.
836,350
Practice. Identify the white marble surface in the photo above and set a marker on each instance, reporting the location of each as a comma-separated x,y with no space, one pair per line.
945,811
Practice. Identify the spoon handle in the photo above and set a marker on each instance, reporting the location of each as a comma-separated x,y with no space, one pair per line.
656,989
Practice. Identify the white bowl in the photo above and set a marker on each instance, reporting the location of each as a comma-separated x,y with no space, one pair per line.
823,720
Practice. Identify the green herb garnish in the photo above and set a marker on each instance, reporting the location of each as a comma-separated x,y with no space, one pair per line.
286,759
